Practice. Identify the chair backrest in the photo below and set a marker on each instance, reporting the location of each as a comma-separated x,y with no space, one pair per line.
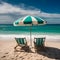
39,41
20,40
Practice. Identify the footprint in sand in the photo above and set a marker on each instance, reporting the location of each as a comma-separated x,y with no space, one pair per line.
6,52
3,56
20,56
12,58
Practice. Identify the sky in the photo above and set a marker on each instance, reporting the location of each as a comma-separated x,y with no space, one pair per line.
11,10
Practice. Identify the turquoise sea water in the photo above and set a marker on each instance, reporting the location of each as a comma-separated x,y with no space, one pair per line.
43,29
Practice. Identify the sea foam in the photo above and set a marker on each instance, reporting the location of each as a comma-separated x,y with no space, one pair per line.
48,37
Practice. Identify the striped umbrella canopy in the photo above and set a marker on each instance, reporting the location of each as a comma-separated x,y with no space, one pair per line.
29,21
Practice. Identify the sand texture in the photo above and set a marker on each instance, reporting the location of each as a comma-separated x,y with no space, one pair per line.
7,52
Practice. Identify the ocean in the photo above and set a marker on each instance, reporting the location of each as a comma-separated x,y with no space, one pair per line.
50,31
42,29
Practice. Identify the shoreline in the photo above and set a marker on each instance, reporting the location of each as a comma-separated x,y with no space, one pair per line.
48,37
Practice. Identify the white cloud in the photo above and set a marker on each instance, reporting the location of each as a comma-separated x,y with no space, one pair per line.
8,8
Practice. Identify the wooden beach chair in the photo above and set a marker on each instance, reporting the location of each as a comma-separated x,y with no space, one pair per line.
39,43
20,42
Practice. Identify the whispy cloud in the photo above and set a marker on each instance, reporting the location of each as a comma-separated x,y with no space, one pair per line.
6,9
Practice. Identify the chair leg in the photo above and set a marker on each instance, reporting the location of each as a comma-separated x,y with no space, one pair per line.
15,47
26,44
35,47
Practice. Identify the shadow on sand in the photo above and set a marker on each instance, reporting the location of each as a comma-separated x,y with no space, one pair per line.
23,49
50,52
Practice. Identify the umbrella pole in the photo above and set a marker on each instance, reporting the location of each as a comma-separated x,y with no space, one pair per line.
30,37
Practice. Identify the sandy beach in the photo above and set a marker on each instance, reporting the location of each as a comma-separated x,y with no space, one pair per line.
52,51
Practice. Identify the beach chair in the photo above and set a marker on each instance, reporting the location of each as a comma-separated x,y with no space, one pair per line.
39,43
20,42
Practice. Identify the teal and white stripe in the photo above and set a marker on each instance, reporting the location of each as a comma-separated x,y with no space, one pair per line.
29,21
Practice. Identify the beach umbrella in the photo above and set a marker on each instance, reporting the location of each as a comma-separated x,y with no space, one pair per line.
29,21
